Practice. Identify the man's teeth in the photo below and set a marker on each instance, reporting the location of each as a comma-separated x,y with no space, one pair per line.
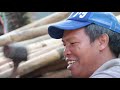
71,62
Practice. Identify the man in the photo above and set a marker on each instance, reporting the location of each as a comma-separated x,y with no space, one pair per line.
92,44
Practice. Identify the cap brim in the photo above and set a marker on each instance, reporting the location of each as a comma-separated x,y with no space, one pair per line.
56,31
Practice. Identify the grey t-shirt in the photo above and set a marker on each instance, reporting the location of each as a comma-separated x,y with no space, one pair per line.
110,69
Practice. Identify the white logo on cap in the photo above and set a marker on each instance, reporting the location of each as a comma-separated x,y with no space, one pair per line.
81,14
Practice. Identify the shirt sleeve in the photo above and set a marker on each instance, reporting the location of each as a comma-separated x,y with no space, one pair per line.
101,76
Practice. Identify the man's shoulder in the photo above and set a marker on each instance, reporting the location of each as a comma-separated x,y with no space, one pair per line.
113,72
110,69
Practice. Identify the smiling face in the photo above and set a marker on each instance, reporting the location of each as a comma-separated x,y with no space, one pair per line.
82,55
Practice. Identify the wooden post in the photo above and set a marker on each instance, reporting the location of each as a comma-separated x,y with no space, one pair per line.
23,35
55,17
33,64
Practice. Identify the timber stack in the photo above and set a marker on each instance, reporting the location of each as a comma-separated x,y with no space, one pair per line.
45,54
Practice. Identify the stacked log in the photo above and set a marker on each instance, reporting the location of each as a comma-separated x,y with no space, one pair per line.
45,54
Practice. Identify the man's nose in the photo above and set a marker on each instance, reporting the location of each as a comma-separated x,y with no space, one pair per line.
67,52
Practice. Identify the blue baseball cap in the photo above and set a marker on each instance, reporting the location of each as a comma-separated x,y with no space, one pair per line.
78,20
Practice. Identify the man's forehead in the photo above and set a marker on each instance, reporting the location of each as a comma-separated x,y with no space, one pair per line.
74,34
69,38
67,32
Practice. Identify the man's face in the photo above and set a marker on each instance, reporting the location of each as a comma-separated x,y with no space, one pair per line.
80,53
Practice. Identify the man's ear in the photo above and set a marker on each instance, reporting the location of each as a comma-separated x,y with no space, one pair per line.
103,41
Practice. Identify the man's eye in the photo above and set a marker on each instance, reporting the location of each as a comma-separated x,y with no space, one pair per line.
72,43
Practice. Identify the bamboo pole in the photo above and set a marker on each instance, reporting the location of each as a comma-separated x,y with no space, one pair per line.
31,54
44,50
57,74
55,17
1,54
55,66
33,64
23,35
42,44
4,60
37,49
37,39
30,41
1,47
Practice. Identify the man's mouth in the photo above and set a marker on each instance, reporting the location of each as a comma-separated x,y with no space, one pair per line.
70,63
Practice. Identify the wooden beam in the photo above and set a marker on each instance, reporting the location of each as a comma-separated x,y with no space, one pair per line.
33,64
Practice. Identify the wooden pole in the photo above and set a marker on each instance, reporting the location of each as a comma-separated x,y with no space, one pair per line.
30,41
55,66
55,17
23,35
33,64
58,74
37,49
44,50
4,60
42,44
